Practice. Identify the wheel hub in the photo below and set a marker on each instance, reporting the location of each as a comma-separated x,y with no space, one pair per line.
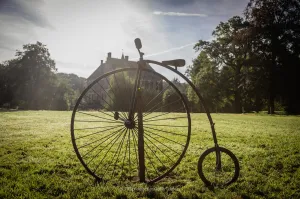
129,124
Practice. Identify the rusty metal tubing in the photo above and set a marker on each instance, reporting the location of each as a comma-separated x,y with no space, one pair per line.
212,124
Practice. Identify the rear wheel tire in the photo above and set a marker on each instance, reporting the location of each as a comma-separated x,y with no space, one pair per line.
210,175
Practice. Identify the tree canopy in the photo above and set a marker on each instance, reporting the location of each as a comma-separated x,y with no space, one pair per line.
30,81
255,58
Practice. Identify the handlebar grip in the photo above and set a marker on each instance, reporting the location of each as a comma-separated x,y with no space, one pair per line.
175,62
138,43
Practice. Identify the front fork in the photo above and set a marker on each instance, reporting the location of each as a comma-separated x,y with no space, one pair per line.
141,147
137,104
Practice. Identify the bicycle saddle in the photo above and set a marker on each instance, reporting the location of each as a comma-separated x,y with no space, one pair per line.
175,62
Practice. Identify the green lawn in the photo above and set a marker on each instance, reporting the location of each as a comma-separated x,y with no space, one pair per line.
37,159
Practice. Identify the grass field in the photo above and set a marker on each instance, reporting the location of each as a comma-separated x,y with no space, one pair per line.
37,159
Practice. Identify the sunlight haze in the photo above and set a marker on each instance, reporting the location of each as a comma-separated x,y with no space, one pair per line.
79,34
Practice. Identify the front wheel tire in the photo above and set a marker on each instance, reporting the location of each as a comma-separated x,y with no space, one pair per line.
106,139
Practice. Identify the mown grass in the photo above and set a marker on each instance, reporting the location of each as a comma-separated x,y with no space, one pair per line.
37,159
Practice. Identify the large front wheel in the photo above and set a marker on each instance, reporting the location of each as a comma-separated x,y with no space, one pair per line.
115,147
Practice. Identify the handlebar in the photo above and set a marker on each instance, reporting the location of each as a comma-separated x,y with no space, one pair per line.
175,62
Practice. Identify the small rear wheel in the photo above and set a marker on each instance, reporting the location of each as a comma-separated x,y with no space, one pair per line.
212,175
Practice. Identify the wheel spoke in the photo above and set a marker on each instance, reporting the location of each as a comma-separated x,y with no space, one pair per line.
124,155
150,89
99,127
116,81
135,148
162,144
157,95
97,115
161,107
166,131
113,157
114,133
127,89
110,87
165,138
155,155
95,133
173,118
105,102
163,125
159,149
147,111
149,158
122,142
129,156
108,137
106,92
116,121
114,95
100,105
149,86
101,97
118,87
165,113
109,149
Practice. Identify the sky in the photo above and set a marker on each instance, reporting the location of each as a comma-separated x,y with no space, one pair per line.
80,33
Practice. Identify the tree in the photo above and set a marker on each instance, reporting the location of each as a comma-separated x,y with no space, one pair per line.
62,96
275,27
73,85
206,76
170,100
6,90
229,49
35,70
30,82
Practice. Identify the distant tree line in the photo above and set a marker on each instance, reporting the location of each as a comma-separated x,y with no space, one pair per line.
30,81
253,62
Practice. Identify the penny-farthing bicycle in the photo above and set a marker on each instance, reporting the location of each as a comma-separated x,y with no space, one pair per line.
134,124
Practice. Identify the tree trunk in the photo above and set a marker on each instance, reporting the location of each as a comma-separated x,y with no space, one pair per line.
271,104
237,92
237,102
257,103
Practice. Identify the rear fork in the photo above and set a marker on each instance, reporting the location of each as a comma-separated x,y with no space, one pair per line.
218,152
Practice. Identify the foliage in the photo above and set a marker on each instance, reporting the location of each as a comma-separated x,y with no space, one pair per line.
256,60
206,76
29,81
227,53
120,92
171,100
117,94
274,30
5,83
68,89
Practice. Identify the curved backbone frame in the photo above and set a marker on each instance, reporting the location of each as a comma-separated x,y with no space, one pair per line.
212,124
